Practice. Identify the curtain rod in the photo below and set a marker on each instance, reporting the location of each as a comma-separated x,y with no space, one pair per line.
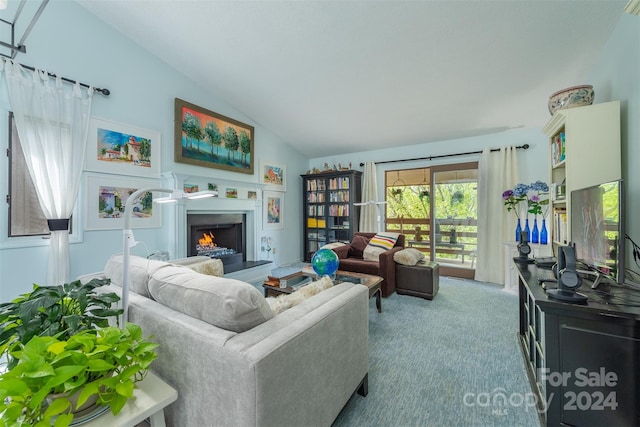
519,147
104,91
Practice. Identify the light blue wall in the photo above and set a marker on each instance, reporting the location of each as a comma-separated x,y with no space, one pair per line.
533,164
616,76
70,41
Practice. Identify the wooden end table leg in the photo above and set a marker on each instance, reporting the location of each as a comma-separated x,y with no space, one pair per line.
379,300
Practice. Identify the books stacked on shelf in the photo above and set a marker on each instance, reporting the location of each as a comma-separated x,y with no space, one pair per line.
315,197
316,223
339,210
315,185
338,183
339,196
560,226
315,210
558,149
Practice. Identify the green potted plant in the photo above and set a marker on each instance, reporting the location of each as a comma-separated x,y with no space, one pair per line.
61,310
62,351
52,377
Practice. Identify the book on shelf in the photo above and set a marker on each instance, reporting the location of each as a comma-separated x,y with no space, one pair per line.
560,226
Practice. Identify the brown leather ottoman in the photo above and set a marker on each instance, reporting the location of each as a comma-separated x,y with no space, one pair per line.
420,280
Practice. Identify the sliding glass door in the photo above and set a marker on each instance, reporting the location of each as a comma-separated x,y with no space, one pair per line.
455,217
436,209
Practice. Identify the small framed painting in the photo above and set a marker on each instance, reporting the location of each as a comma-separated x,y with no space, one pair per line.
190,188
232,193
108,196
272,175
122,149
273,205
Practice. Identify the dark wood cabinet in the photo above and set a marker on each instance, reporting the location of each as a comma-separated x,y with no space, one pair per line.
329,213
583,360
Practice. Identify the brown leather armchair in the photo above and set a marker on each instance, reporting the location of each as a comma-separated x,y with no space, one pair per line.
350,257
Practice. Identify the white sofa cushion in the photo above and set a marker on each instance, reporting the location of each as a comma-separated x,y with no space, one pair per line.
140,269
226,303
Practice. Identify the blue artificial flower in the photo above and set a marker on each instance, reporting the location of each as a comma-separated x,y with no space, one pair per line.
540,187
520,190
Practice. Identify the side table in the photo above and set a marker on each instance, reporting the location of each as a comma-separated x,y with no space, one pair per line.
151,397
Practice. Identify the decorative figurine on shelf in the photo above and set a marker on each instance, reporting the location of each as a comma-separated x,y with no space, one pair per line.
418,236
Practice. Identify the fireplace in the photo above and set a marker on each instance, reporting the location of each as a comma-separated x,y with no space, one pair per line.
218,236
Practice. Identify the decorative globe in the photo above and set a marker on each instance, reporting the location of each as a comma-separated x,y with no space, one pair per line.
325,262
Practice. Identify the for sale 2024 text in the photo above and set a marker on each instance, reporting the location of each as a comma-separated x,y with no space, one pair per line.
592,390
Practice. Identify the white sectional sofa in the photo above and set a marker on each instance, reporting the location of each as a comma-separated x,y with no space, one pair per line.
233,361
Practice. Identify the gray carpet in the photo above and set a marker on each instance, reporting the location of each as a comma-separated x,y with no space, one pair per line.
426,356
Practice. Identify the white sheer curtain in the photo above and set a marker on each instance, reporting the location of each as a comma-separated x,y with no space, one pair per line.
369,213
52,121
497,172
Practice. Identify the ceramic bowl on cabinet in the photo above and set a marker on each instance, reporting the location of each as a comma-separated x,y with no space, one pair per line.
575,96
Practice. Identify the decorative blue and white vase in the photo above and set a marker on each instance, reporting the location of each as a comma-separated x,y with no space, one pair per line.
543,233
518,230
535,233
527,229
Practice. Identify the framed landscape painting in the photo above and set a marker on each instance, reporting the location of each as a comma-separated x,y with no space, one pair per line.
108,196
122,149
205,138
273,210
273,176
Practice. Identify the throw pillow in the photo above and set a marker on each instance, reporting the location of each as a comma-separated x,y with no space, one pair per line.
284,302
358,244
226,303
408,256
378,244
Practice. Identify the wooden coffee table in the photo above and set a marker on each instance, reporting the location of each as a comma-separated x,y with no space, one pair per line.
272,284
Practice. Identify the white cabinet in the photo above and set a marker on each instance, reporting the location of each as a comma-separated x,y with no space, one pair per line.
510,270
584,150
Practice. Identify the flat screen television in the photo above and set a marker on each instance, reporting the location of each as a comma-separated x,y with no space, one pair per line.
597,228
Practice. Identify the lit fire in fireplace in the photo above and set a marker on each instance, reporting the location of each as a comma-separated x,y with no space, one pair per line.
207,241
207,246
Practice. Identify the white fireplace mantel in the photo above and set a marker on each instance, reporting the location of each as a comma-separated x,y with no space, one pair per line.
176,214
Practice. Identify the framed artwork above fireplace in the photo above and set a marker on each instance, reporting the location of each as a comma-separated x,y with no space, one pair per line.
205,138
273,204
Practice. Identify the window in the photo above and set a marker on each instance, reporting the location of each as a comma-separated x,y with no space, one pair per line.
436,209
25,214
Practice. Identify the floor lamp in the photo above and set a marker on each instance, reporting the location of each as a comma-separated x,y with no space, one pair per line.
379,206
129,241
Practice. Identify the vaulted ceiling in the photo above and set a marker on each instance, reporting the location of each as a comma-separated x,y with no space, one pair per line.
333,77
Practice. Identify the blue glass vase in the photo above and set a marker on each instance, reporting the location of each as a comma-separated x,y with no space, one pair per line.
535,233
543,233
518,230
527,229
